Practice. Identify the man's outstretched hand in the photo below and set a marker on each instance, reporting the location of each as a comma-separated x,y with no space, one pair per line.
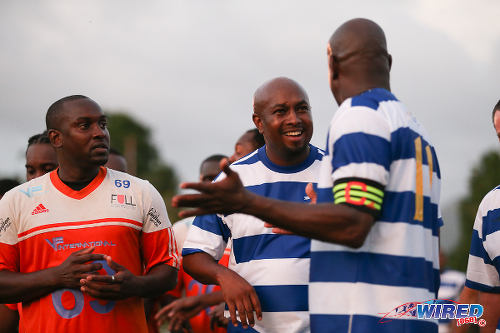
224,197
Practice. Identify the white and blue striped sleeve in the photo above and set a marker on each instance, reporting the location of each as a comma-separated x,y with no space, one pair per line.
360,143
484,256
208,234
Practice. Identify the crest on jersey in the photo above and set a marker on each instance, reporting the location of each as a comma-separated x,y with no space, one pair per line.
123,200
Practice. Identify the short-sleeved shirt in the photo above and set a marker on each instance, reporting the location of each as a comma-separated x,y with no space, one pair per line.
378,159
484,257
277,266
43,221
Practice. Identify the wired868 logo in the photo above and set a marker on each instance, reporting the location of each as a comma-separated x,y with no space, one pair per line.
438,309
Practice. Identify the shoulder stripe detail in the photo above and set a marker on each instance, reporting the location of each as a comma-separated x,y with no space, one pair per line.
491,222
479,271
187,251
477,248
80,224
482,287
247,159
78,195
213,223
372,98
361,148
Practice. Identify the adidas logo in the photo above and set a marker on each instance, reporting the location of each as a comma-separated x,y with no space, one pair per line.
39,209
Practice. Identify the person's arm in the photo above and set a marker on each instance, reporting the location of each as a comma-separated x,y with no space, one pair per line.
238,294
467,296
22,287
217,318
330,222
124,284
182,309
491,306
9,319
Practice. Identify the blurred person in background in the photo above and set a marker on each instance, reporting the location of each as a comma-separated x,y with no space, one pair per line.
116,161
250,140
40,156
191,313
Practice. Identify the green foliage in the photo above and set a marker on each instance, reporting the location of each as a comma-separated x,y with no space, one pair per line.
133,139
484,177
123,130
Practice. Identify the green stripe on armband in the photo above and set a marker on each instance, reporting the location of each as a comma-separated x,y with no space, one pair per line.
369,188
359,194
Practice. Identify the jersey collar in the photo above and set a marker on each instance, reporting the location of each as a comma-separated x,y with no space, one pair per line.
78,195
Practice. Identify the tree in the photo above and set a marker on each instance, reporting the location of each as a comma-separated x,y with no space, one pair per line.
133,139
484,178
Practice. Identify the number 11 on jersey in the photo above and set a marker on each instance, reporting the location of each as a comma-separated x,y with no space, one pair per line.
419,174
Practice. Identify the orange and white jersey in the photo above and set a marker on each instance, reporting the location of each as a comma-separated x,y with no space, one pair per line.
43,221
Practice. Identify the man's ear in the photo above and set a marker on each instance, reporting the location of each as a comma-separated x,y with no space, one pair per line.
258,122
333,70
389,58
55,138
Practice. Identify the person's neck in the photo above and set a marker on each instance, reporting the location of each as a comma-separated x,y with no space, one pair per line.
355,87
286,159
73,175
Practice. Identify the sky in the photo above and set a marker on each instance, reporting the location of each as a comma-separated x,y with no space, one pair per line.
188,69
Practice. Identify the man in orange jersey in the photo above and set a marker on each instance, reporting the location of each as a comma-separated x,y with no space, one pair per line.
81,246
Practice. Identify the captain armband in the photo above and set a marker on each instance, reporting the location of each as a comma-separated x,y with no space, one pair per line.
363,194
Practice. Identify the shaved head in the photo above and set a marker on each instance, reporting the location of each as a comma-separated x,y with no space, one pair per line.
266,91
358,37
358,58
53,116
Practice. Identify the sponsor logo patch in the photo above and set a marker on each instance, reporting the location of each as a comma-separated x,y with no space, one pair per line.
39,209
58,244
5,224
122,200
32,191
154,217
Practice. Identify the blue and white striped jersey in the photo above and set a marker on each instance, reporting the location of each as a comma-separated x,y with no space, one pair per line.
483,268
378,157
277,266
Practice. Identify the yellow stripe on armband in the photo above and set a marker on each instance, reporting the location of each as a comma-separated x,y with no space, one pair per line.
358,193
